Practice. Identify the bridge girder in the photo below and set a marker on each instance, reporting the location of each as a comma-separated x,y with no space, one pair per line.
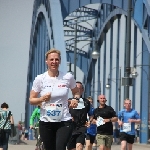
109,11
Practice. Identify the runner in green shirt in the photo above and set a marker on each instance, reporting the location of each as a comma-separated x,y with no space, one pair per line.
35,114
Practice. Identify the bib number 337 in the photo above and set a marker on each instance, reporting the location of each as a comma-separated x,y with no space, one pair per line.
126,127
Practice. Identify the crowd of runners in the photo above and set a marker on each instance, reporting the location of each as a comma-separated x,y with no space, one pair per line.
73,123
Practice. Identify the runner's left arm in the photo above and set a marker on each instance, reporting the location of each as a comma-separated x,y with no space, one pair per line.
113,117
136,118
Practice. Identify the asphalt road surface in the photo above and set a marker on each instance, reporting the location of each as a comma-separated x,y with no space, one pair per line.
30,145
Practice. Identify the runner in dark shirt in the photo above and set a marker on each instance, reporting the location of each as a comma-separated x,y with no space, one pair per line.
104,127
79,116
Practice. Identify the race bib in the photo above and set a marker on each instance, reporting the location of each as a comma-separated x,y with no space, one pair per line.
54,112
99,121
126,127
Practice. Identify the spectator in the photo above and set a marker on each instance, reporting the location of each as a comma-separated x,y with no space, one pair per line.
116,133
23,134
19,131
6,119
26,133
137,129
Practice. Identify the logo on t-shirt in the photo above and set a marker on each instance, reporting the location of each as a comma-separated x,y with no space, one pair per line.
62,85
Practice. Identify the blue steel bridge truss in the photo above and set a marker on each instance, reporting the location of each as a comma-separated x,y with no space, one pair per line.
53,25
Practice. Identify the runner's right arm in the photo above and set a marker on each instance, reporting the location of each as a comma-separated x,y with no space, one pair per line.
120,118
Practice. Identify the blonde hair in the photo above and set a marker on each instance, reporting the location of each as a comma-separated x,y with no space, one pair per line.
127,99
89,98
53,50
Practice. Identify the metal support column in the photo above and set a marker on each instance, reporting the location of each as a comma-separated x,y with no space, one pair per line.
75,48
119,103
128,48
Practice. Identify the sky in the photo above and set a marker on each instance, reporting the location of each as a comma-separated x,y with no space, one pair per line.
15,26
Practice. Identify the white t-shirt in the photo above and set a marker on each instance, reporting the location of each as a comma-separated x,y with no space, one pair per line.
59,88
